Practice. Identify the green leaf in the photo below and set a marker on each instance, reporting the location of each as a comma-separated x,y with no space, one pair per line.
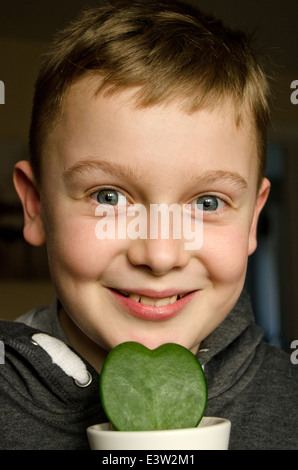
144,389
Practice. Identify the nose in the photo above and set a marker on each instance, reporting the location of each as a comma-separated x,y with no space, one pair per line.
158,255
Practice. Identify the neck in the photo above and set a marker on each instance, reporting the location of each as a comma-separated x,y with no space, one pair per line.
85,346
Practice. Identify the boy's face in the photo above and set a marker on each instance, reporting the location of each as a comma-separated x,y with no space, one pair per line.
148,156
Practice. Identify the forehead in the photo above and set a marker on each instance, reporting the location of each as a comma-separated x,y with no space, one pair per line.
112,128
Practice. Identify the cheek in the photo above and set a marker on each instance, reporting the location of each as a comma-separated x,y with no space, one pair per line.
74,249
225,252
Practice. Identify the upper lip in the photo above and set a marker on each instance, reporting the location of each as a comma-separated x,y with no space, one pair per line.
154,294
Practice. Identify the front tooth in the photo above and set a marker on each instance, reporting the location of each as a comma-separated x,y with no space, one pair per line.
166,301
153,302
147,301
135,297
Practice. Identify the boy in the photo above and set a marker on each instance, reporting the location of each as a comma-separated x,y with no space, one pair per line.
144,104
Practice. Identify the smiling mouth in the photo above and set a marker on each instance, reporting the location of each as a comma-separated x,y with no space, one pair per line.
160,302
152,305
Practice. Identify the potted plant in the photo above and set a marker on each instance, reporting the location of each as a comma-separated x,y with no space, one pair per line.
155,399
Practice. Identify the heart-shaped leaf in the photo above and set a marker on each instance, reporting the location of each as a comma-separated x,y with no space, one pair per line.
143,389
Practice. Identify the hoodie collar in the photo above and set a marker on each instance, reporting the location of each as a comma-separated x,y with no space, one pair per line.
227,353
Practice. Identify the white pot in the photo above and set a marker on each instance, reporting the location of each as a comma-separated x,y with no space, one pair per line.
211,434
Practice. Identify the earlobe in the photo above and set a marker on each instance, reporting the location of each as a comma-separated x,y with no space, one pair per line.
260,203
28,193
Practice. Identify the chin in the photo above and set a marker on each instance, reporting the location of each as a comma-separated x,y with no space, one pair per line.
153,341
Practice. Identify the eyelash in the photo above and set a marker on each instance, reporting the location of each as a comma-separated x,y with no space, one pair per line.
220,201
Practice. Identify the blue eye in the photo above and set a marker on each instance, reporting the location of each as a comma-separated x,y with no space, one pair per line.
210,203
109,197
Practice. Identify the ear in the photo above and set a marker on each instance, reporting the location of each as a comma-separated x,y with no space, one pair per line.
260,203
26,188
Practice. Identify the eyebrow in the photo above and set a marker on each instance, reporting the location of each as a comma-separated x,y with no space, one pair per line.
120,169
92,166
213,176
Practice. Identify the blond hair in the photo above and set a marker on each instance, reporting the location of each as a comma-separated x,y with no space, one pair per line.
167,49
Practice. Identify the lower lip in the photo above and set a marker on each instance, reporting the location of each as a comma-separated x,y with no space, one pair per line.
149,312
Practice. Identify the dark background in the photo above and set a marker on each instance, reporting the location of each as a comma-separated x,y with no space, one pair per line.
25,29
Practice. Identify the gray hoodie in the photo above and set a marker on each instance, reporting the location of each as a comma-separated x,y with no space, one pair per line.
47,397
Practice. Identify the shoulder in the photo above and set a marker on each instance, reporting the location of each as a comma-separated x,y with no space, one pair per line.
265,414
281,360
275,388
18,349
278,370
11,331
